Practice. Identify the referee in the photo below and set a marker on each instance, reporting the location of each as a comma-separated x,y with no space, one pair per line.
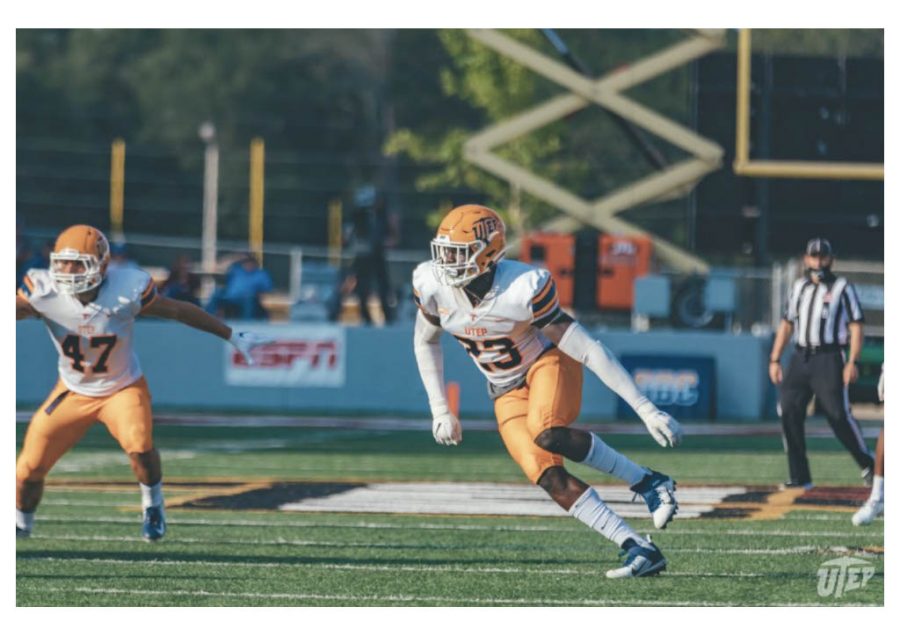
824,315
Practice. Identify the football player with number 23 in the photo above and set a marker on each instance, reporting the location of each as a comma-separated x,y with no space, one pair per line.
90,316
507,316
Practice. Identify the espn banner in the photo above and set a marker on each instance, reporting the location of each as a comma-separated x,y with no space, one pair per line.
299,356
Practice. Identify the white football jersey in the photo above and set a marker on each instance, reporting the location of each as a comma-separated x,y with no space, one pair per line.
94,341
502,333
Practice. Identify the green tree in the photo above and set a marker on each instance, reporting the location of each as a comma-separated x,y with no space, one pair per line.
587,153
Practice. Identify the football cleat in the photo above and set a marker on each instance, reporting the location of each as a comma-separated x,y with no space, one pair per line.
796,484
867,513
22,533
154,527
640,560
868,476
658,491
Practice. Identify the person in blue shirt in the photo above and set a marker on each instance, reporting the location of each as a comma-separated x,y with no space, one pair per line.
245,281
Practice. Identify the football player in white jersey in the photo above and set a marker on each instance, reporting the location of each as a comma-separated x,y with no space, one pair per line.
90,316
507,316
874,505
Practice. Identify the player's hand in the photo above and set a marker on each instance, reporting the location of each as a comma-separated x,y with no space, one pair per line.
776,375
664,428
850,372
245,341
446,429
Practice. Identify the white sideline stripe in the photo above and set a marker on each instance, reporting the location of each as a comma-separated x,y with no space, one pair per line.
228,420
380,568
400,598
183,521
799,549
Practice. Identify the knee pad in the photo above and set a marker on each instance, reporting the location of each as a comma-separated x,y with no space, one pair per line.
554,439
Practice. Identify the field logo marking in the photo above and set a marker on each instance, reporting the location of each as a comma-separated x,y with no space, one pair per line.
839,576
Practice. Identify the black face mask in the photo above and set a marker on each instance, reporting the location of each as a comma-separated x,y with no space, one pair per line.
822,273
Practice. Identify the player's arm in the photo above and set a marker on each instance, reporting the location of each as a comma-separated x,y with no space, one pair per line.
782,337
430,360
855,328
856,341
574,340
24,309
193,316
188,314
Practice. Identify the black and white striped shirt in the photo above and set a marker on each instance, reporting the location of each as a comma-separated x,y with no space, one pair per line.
821,311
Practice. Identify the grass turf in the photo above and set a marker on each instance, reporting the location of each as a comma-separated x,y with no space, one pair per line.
87,549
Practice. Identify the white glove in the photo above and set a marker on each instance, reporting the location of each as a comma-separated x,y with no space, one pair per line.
664,428
446,429
245,341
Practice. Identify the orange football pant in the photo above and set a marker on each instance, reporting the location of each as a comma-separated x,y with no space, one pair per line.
551,396
65,417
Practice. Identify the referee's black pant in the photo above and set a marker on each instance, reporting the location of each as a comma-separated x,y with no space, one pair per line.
819,373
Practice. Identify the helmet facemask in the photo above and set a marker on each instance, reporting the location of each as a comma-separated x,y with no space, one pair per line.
456,264
75,282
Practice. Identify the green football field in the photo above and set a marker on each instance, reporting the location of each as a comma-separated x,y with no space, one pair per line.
356,535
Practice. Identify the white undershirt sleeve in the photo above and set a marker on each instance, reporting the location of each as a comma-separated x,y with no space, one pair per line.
577,343
430,359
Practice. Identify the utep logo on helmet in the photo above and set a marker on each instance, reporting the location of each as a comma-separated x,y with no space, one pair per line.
484,227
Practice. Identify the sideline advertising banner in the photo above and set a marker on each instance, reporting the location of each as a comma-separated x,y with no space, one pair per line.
683,386
299,356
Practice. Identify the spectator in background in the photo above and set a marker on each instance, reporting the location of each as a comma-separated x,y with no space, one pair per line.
372,232
118,258
32,260
182,284
245,281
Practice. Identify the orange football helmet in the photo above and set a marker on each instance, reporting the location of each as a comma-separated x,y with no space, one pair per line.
468,240
79,244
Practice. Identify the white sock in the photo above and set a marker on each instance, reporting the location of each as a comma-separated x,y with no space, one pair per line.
590,510
24,520
151,495
877,488
608,460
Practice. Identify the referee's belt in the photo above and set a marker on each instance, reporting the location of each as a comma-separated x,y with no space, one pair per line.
827,348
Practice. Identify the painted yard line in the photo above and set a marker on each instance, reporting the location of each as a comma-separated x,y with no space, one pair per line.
454,569
834,516
800,549
183,521
397,598
74,503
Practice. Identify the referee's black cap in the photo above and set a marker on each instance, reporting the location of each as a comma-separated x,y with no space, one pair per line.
818,247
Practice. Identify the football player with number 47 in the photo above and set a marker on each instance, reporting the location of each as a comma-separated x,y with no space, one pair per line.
507,316
90,315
